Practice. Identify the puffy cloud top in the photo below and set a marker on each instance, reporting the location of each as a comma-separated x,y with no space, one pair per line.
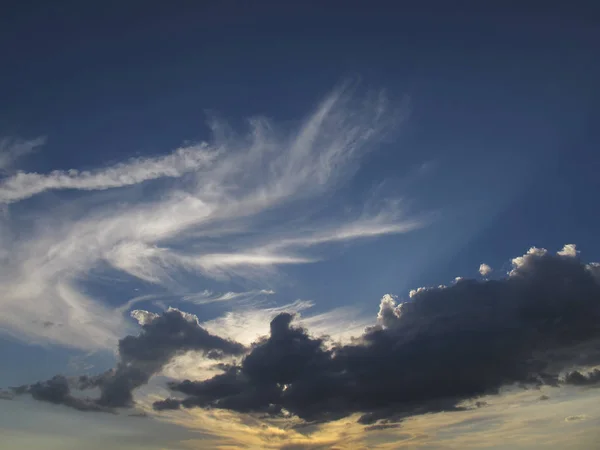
485,270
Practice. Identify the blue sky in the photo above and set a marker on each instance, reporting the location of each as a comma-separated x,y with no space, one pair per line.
237,161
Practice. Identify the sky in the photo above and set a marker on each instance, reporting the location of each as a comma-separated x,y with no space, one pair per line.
299,225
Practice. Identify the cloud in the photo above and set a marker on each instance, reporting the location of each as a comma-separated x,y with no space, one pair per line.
12,149
137,170
514,419
144,317
174,343
428,354
215,222
205,297
385,222
569,250
57,391
485,270
575,418
162,338
247,324
583,379
442,352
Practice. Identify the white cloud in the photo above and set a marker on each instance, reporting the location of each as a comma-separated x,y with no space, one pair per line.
568,250
247,324
234,185
24,185
521,261
205,297
13,149
389,221
143,317
485,270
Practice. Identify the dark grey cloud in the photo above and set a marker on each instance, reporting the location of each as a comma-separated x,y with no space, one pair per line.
144,355
140,357
440,347
583,379
57,390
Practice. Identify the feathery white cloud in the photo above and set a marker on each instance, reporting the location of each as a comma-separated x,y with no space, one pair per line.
234,185
13,149
205,297
23,185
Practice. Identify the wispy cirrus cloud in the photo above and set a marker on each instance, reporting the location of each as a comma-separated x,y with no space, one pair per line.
11,149
205,297
234,185
23,185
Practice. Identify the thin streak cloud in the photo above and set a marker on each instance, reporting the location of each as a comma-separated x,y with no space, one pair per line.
23,185
13,149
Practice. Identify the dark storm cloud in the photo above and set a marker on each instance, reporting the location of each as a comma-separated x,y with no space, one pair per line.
442,346
140,357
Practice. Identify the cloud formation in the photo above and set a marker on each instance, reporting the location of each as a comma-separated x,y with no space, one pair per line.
444,345
13,149
485,270
161,339
212,219
57,390
583,379
183,160
205,297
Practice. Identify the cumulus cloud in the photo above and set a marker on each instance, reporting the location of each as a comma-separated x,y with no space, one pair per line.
143,317
427,354
485,270
212,219
248,324
569,250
